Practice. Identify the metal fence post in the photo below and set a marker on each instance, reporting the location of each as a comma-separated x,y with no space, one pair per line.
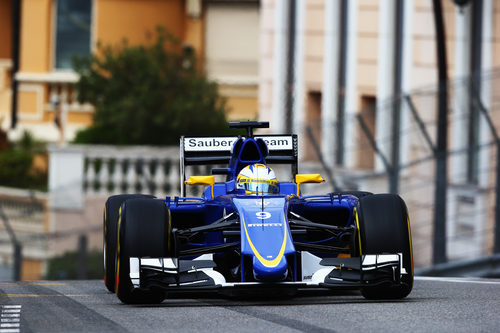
477,102
496,246
439,243
17,247
420,123
82,257
18,259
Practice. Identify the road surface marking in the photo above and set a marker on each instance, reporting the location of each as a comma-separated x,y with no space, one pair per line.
11,284
42,295
10,320
457,280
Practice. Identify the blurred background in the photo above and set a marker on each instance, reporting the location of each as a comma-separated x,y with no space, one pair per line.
386,96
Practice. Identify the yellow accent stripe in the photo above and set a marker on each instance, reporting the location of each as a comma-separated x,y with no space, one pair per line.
411,245
20,284
105,244
46,295
265,262
118,249
359,233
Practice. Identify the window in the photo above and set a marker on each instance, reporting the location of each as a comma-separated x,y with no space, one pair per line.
73,26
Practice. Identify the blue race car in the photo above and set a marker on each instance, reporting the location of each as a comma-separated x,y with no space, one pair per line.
254,232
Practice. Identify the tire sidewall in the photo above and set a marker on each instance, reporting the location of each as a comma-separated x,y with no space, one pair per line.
384,227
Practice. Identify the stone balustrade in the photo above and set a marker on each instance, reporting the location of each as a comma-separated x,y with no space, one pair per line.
111,170
77,171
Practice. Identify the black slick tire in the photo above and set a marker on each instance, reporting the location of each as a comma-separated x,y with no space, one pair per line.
144,230
384,227
110,228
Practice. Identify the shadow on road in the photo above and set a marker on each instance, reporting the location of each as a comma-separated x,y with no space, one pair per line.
301,297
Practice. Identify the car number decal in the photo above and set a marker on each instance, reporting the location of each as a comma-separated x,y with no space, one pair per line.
263,215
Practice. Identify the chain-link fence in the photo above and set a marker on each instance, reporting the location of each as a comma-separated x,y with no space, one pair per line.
374,143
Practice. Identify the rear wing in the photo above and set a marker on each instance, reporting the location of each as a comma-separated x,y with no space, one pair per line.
283,149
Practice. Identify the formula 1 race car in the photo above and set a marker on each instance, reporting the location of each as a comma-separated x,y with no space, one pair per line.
253,232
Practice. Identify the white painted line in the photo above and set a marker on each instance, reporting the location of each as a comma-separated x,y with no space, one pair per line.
10,325
10,319
457,280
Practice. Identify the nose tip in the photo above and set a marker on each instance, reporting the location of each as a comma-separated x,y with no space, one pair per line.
265,273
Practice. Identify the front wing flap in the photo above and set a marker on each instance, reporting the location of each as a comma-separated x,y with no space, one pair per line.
179,275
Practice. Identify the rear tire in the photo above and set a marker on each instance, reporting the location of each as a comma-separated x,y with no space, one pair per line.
384,227
144,230
110,228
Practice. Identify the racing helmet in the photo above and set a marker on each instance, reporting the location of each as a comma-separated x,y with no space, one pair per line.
257,179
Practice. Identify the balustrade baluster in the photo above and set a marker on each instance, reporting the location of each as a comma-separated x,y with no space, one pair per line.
104,176
131,176
117,176
91,175
145,178
160,179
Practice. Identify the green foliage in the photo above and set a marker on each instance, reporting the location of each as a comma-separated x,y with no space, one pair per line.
65,267
17,164
147,94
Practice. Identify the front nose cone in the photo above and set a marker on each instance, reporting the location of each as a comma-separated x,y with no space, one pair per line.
270,274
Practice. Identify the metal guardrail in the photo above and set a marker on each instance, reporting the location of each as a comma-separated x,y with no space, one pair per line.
482,267
17,247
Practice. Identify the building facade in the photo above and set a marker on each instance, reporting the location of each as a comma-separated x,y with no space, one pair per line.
39,37
358,79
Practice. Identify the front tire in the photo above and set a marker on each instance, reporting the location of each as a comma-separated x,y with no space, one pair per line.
110,227
144,230
384,227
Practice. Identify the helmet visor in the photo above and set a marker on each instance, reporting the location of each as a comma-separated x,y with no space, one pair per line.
260,186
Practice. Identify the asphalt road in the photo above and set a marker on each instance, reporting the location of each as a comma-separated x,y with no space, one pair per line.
435,305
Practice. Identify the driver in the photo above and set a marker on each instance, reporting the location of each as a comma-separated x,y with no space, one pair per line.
257,179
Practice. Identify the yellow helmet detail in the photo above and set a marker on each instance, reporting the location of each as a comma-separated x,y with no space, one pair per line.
257,179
